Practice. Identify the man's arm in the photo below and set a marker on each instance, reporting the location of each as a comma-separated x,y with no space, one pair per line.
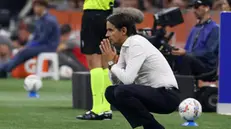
136,58
189,39
114,79
44,34
120,64
211,43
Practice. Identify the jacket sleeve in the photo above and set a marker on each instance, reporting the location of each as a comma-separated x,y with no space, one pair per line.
135,60
121,64
211,43
44,34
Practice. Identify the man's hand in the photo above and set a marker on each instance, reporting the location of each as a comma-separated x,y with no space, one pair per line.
62,47
4,51
108,52
179,52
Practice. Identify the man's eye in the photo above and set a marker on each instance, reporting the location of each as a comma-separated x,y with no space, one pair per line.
110,30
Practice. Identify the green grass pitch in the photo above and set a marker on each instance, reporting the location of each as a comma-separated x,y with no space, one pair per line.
53,110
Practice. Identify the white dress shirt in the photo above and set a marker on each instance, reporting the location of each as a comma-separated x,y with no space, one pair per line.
142,63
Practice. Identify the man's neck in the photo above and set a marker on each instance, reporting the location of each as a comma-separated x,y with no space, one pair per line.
123,40
42,14
205,18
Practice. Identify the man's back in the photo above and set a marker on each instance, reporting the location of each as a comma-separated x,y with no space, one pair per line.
155,70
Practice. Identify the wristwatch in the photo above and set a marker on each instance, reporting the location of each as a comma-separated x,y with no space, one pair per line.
110,64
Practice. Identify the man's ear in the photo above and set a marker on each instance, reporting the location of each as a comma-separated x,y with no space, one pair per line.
124,30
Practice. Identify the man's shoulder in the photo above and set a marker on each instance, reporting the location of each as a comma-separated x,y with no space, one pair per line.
50,18
142,42
214,24
138,38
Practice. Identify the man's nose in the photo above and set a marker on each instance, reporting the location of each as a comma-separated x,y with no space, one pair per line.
107,35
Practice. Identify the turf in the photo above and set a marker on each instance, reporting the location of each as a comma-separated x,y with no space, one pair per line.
53,110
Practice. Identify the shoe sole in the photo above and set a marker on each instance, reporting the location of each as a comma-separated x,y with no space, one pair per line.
107,119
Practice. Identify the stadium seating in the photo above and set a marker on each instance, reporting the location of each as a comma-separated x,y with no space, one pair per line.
53,69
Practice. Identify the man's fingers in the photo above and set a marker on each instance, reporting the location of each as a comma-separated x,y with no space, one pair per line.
173,52
101,49
103,44
106,44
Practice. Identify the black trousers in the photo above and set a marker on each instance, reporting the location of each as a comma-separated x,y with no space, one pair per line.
136,102
190,65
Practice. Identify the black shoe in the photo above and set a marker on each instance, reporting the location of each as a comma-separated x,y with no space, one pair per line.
107,115
91,116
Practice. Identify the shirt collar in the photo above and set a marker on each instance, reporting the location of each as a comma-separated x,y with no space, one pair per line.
127,41
44,14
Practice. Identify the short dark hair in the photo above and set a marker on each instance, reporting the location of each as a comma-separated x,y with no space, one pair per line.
65,28
229,2
41,2
197,3
122,20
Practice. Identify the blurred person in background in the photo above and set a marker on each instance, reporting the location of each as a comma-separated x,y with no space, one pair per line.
129,3
15,39
200,54
138,4
93,30
69,5
152,6
45,38
65,50
5,52
182,4
226,5
22,35
5,48
148,5
75,4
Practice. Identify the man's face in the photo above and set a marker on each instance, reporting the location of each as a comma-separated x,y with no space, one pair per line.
114,35
4,51
24,35
65,37
38,9
200,11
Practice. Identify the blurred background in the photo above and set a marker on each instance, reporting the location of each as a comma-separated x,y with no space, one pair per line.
17,25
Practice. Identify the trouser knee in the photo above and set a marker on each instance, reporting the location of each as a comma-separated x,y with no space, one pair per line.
109,94
121,93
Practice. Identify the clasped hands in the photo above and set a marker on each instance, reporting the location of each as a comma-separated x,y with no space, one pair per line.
108,51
